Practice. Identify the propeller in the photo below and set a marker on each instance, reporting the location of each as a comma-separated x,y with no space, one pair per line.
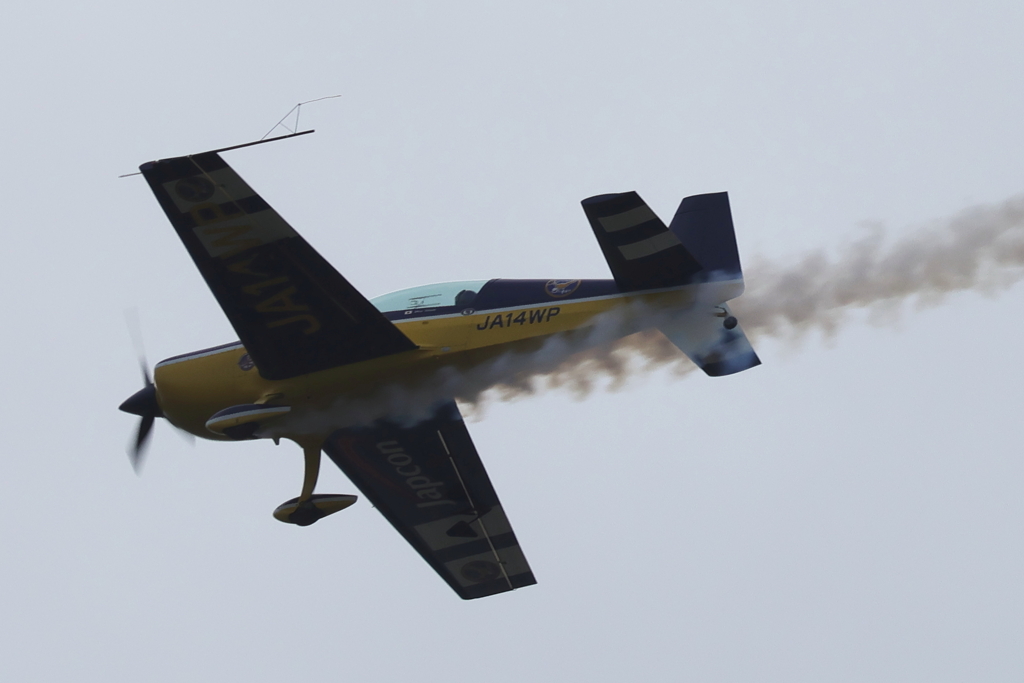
144,404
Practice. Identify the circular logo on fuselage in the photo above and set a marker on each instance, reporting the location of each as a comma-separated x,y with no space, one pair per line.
245,362
561,288
194,189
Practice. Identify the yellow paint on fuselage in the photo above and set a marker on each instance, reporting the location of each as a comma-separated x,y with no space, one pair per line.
191,389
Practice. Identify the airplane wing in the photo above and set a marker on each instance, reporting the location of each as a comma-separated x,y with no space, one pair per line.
429,482
292,310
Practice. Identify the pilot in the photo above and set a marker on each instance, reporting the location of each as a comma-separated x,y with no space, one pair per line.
464,299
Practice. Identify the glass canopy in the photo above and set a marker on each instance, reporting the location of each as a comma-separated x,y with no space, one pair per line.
430,296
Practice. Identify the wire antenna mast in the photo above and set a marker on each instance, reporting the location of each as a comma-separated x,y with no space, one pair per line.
292,132
298,110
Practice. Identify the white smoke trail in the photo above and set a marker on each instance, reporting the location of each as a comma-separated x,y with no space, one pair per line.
569,360
980,249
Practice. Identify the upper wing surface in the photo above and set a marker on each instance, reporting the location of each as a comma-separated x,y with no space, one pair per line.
429,482
292,310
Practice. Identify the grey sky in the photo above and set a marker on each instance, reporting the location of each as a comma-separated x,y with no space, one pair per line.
849,511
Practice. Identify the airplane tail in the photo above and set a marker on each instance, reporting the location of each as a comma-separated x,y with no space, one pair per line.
697,248
642,253
703,224
712,339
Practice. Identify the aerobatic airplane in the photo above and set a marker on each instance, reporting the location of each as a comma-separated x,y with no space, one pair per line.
310,342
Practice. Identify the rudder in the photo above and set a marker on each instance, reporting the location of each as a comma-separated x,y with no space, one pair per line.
703,224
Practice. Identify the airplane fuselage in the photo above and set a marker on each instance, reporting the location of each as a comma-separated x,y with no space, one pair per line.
502,317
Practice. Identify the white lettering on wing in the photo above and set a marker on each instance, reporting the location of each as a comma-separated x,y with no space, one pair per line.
430,492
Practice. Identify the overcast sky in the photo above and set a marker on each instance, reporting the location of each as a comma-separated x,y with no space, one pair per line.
849,511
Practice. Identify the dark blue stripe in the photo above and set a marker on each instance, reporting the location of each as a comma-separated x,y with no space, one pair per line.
209,350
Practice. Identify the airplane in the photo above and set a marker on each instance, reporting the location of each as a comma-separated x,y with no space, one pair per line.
319,364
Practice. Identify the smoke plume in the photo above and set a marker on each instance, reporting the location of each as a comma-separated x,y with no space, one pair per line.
980,249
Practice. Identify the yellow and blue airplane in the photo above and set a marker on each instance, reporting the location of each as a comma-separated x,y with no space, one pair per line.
315,355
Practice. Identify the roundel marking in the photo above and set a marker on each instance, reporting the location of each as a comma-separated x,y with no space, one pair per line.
194,189
560,288
478,571
245,362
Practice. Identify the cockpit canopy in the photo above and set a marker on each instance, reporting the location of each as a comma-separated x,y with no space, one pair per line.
437,295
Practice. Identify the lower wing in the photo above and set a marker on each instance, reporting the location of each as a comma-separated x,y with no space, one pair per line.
428,481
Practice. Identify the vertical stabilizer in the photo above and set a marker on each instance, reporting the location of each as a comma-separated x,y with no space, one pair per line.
703,223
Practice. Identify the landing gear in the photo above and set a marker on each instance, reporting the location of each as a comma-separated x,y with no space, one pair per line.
729,321
309,507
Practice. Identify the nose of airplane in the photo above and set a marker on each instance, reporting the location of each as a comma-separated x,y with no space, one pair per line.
143,403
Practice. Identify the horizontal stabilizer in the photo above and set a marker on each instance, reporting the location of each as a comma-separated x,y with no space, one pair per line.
713,340
641,252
